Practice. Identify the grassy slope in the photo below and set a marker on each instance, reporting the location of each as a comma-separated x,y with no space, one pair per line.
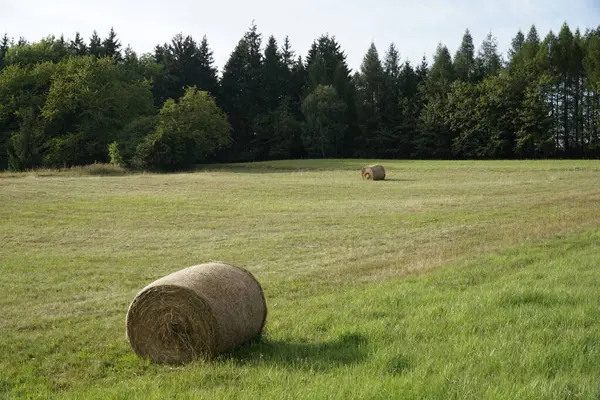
513,315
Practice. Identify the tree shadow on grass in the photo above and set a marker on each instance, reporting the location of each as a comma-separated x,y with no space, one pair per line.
349,349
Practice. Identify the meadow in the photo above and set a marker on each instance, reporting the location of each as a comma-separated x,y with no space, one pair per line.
448,280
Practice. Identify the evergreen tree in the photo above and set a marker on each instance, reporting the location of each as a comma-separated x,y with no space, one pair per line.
184,64
464,60
578,74
391,63
111,47
370,83
546,61
389,141
531,46
275,115
25,147
515,53
533,134
442,69
327,66
273,75
4,44
434,137
562,64
298,85
483,117
62,102
77,46
592,112
287,54
289,63
207,72
423,69
243,98
489,62
371,77
95,48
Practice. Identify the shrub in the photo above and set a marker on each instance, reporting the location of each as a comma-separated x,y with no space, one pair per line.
189,131
115,155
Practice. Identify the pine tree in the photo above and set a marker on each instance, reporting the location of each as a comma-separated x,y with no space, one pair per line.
464,60
243,96
389,139
546,61
515,53
531,47
370,82
592,112
391,63
184,64
255,57
578,74
129,56
371,78
288,58
442,69
111,47
95,47
562,63
287,54
25,146
77,46
434,138
326,65
4,44
489,62
236,98
273,75
207,72
298,86
533,134
423,69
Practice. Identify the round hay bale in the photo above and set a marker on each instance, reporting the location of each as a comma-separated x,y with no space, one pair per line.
373,172
197,312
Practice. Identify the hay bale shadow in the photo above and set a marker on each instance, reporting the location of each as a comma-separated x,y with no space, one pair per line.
348,349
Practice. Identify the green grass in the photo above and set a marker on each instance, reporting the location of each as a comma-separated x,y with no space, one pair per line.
448,280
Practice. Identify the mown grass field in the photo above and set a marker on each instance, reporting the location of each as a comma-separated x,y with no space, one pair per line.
448,280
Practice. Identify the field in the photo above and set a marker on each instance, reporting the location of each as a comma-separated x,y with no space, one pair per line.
447,280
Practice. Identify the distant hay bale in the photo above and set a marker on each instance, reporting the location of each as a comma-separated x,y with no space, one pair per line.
197,312
374,172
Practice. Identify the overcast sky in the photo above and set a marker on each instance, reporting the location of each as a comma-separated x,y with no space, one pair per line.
416,27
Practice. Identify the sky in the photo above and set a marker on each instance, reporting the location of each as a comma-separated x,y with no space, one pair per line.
415,27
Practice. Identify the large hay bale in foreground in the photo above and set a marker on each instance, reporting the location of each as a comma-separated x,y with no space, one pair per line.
373,172
197,312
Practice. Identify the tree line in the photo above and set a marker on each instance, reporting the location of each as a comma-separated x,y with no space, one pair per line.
66,102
